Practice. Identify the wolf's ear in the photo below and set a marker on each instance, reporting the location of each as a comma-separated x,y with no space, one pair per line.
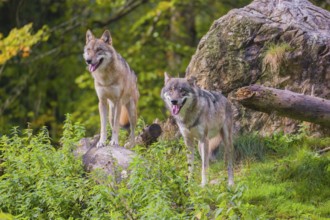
166,77
106,37
192,81
89,36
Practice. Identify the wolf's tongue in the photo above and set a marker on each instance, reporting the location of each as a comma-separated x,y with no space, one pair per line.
92,67
175,109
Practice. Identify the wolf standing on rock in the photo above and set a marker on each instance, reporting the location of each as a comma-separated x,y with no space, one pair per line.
115,85
202,115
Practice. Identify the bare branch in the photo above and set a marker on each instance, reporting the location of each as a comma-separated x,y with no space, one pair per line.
123,11
323,150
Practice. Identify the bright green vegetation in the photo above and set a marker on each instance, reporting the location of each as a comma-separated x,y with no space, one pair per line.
281,178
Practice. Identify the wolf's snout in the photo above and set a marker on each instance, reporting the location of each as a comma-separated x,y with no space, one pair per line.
174,102
88,61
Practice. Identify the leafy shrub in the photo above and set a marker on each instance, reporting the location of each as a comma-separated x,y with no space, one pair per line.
158,188
40,181
280,143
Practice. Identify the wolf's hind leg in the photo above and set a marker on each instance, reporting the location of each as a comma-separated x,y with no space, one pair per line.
131,107
115,126
226,134
203,146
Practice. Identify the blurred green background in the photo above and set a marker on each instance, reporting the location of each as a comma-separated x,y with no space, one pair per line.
42,72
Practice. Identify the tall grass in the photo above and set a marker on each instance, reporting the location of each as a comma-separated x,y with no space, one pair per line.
278,177
274,56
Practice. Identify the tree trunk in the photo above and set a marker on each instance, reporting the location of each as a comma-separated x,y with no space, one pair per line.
181,31
285,103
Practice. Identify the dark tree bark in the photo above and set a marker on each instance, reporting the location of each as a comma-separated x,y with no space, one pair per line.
285,103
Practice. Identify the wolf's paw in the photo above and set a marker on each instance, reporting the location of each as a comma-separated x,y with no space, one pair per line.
114,143
100,144
129,145
203,183
231,183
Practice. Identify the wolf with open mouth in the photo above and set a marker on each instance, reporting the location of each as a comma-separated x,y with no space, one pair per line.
115,84
205,116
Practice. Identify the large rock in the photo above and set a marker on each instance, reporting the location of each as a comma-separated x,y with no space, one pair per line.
284,44
113,160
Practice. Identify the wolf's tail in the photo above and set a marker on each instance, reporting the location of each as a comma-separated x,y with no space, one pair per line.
124,118
214,144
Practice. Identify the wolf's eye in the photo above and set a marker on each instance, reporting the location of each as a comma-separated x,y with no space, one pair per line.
98,49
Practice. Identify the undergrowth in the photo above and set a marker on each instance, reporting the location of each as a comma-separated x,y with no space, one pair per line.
277,177
293,180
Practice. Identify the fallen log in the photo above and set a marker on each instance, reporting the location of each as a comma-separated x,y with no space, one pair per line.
285,103
325,150
149,135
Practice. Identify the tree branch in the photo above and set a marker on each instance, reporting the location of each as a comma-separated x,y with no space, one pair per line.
323,150
123,11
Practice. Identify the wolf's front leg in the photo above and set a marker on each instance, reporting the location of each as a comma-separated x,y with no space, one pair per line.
190,155
203,146
115,128
111,111
103,109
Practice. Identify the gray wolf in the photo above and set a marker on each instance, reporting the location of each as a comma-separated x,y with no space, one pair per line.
115,85
205,116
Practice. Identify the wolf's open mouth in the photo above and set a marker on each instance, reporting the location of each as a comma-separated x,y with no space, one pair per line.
176,108
93,67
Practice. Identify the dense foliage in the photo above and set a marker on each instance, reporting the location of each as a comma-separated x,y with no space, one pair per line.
42,72
39,84
286,181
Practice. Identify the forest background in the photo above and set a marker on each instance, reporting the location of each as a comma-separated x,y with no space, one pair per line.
42,72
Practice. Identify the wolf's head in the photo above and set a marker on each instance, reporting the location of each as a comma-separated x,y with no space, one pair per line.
98,52
178,94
